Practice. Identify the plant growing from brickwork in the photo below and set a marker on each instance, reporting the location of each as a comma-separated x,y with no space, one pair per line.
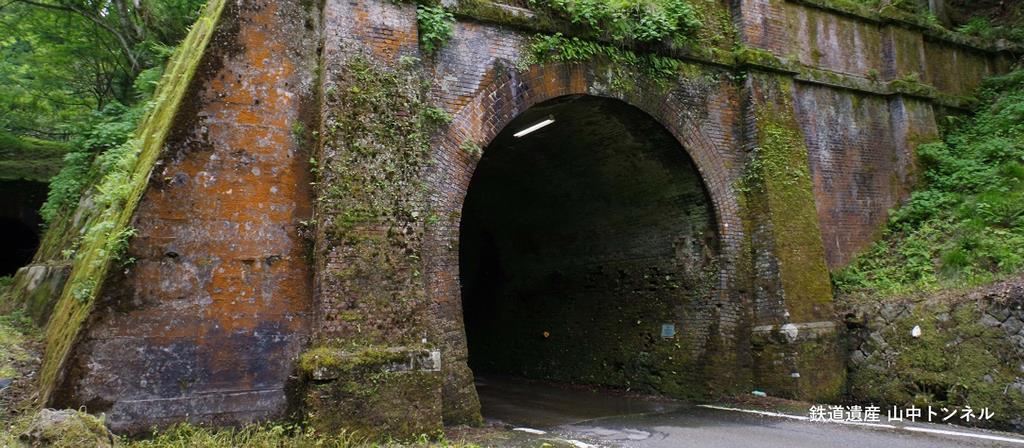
437,115
471,148
629,20
965,223
626,66
436,26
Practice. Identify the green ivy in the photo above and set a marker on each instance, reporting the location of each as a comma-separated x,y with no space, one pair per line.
99,148
983,28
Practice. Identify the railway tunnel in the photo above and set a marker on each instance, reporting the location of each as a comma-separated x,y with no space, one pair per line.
588,252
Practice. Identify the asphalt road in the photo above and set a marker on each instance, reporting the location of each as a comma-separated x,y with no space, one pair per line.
585,417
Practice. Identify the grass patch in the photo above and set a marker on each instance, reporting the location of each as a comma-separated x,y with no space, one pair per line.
254,436
268,435
15,330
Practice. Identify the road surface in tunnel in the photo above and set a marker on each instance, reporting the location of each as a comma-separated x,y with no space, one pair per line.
582,417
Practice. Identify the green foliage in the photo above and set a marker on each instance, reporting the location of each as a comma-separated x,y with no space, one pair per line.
625,65
471,148
101,147
629,20
62,59
436,115
270,435
965,224
435,26
66,187
984,28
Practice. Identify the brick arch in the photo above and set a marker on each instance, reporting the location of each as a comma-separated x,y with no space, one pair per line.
502,96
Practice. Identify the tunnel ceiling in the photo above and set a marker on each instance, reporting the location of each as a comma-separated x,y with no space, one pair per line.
578,231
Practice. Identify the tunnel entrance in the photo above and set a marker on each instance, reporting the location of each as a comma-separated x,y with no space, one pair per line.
19,223
20,244
588,252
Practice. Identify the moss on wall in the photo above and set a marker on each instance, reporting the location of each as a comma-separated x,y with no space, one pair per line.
957,361
371,201
378,392
118,193
26,158
371,212
779,179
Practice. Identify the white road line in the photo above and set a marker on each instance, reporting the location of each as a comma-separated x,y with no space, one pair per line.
529,430
872,425
963,434
751,411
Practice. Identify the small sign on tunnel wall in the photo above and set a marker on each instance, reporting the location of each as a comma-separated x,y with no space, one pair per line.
668,331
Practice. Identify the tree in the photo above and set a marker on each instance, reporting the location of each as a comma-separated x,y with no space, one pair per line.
62,59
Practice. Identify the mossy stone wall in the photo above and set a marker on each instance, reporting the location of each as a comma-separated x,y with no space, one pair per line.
969,352
94,256
380,393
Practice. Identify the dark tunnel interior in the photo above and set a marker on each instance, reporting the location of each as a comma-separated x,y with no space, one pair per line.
20,244
588,251
19,223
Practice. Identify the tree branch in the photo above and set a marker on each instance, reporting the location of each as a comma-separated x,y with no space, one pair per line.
126,48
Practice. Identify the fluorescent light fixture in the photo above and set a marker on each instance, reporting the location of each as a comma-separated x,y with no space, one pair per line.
535,127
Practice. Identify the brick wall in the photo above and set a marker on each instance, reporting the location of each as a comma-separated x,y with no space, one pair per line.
207,321
858,170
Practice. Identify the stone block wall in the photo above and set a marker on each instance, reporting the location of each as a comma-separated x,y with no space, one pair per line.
968,348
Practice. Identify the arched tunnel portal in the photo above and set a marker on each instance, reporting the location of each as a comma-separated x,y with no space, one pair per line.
589,252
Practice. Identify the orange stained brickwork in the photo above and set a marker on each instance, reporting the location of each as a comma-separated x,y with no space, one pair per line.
219,297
